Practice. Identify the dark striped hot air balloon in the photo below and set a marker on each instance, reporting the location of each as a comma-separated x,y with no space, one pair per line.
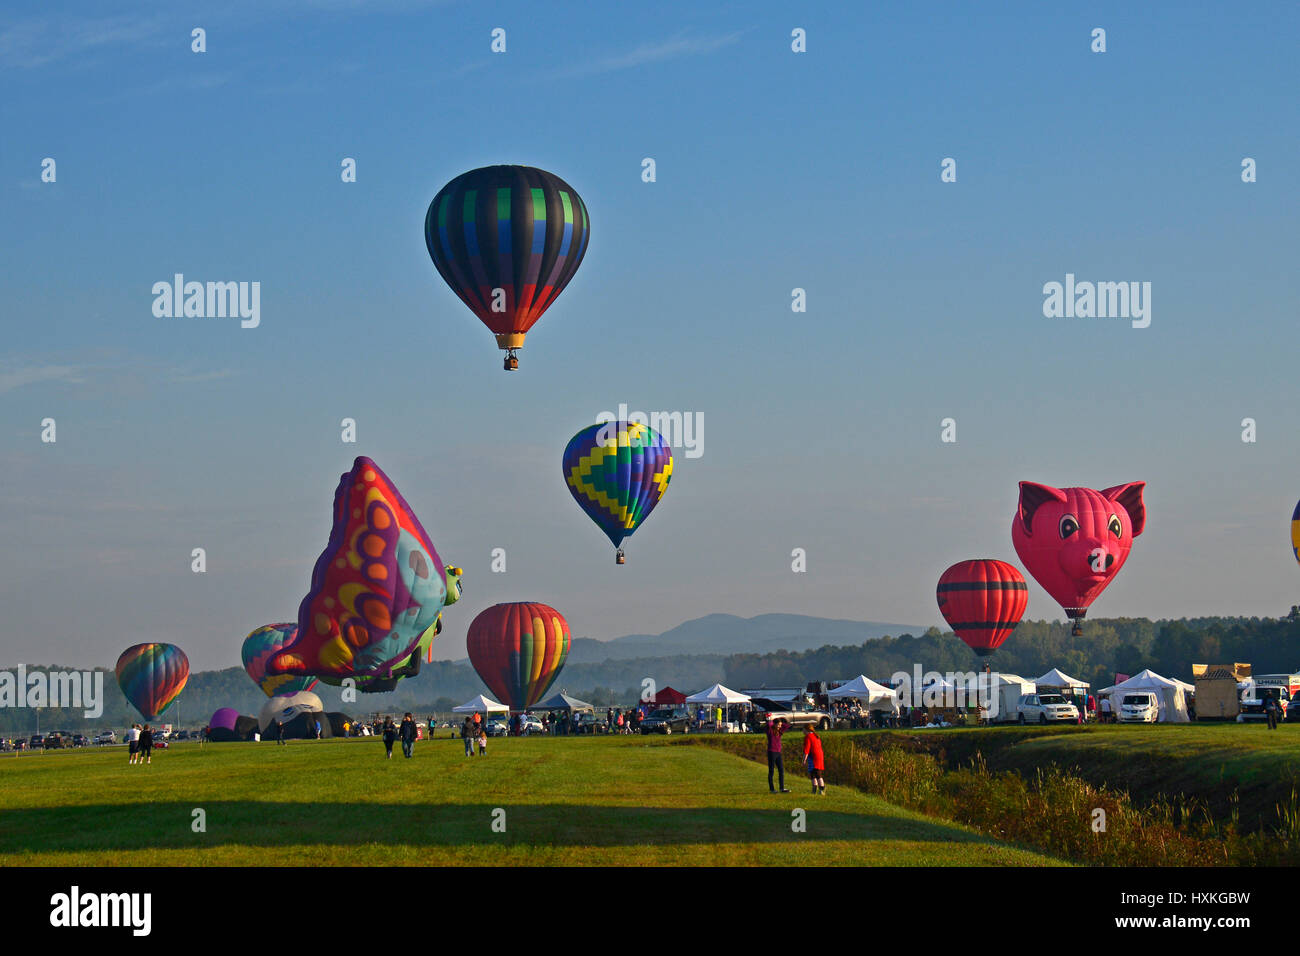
518,650
507,239
982,601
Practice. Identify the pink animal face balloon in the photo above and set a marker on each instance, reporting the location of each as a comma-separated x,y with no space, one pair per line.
1075,540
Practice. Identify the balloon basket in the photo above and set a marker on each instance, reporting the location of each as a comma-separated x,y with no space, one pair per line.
511,362
619,557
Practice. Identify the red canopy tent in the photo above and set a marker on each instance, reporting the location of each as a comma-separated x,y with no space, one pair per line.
669,698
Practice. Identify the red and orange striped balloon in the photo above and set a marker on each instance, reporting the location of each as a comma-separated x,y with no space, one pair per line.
518,650
982,601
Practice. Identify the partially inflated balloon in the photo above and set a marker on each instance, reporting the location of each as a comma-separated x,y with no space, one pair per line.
423,650
258,648
1295,532
518,650
376,588
507,239
618,472
152,676
982,601
1075,540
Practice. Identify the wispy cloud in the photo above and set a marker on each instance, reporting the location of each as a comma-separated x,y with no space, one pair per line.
683,44
37,42
16,376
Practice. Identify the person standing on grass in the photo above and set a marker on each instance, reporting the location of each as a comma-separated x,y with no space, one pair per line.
482,742
1270,709
146,744
407,733
775,760
279,733
133,744
815,760
390,735
467,732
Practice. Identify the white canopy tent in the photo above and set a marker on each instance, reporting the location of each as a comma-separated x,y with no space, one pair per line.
1056,679
863,688
481,705
1170,694
717,694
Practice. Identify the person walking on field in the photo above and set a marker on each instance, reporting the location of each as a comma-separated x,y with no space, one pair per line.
775,760
1270,708
468,733
146,744
279,733
133,744
407,733
482,742
815,760
390,734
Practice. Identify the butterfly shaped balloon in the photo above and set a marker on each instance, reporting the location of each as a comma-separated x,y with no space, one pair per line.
378,586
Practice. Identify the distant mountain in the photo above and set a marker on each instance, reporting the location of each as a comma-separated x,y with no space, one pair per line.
728,634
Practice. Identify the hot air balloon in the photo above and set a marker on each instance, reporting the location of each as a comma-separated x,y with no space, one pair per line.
507,239
378,586
982,601
257,650
518,650
1075,540
152,676
423,650
1295,532
618,472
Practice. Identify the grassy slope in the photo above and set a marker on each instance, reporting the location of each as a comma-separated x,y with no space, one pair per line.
1203,761
616,801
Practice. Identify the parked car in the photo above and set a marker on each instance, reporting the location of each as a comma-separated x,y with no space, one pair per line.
497,728
105,737
797,713
1139,707
1046,709
80,740
532,725
666,721
36,742
55,741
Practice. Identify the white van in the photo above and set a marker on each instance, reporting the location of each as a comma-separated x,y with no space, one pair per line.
1139,707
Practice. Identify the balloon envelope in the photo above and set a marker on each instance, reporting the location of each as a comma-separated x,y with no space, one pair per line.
1075,540
152,676
258,648
518,650
376,588
982,601
507,239
224,718
1295,531
618,472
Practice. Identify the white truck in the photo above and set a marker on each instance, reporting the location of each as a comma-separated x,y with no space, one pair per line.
1139,707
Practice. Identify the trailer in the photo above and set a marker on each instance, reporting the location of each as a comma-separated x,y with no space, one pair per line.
1218,693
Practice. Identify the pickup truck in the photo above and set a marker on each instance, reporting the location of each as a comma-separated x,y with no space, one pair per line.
796,713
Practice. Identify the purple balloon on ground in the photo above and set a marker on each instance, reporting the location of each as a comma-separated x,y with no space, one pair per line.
224,718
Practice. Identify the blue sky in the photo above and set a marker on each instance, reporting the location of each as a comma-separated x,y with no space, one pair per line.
775,170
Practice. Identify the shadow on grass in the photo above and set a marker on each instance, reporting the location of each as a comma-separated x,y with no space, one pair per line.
271,824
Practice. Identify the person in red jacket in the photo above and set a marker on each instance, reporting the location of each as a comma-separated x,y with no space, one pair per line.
815,760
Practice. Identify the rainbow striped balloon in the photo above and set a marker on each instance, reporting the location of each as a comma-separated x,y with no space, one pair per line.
258,648
152,676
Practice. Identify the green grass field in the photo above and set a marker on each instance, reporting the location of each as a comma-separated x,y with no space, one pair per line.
614,801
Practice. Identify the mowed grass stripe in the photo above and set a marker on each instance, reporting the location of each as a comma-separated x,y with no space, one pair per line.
614,801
